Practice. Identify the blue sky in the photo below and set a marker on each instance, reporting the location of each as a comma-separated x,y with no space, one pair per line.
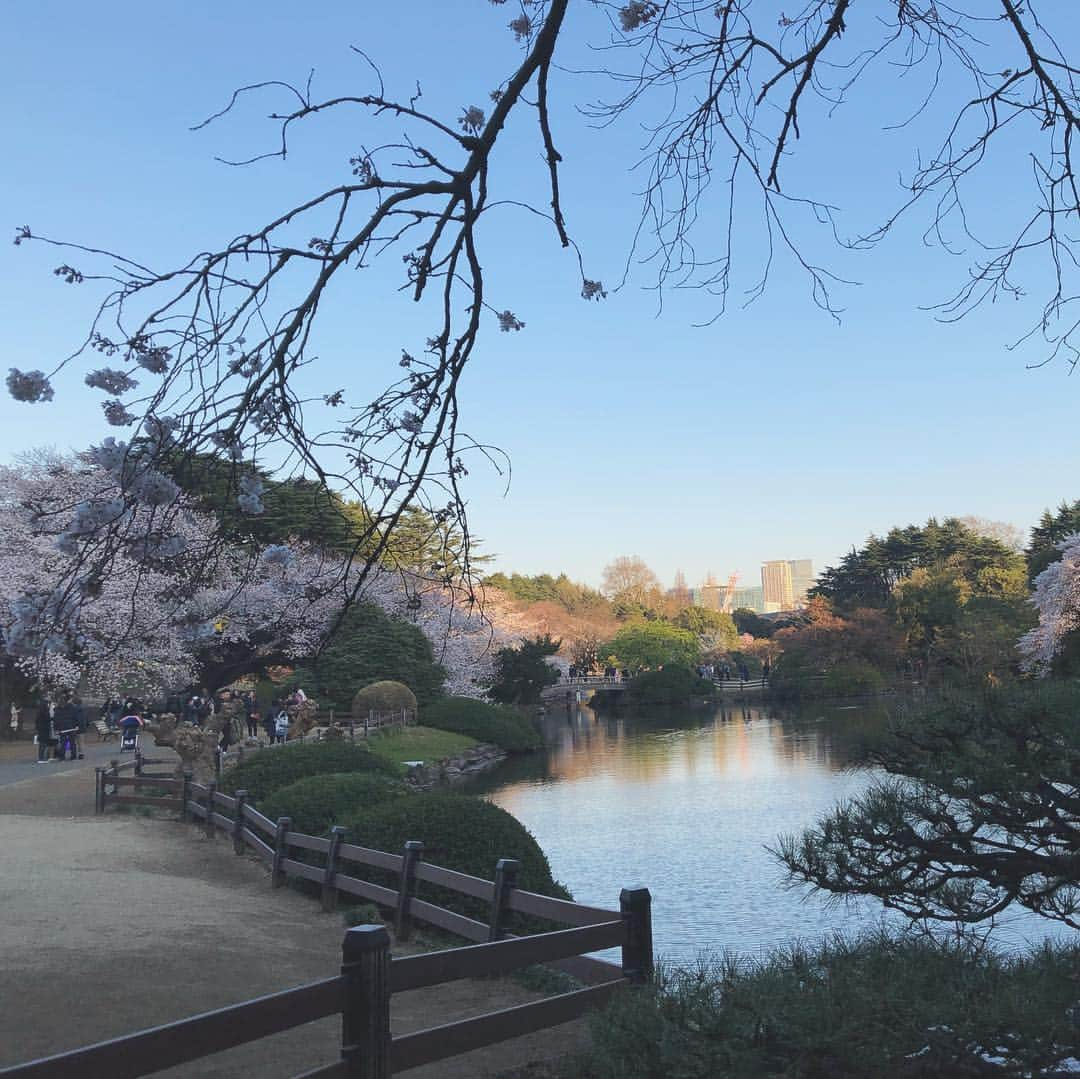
772,433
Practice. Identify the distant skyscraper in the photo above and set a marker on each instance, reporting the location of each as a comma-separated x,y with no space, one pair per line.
802,579
776,586
751,598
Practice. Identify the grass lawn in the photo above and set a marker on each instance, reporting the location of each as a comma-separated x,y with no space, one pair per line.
418,744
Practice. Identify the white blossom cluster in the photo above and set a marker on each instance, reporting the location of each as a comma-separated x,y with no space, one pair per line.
111,381
28,385
116,415
252,489
1057,598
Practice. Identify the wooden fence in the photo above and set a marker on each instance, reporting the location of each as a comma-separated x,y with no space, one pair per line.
369,976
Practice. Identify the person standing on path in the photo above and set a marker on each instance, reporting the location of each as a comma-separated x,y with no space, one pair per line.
44,730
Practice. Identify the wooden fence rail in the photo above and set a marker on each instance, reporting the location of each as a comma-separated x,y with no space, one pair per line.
369,975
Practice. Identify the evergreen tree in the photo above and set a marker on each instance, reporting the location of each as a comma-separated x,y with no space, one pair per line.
521,673
1045,536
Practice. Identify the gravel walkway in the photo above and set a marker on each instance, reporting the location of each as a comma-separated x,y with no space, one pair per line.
111,924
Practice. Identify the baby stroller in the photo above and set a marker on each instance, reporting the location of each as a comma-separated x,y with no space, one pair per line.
129,733
67,747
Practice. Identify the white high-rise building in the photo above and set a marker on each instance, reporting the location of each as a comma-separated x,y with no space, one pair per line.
802,579
776,586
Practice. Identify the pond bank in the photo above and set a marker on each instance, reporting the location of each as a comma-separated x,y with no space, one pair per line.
452,770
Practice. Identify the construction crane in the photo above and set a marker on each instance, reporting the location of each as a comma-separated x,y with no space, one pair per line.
729,593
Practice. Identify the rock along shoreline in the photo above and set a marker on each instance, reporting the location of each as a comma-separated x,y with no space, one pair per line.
451,770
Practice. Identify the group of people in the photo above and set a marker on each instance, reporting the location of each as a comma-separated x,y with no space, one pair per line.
59,726
612,674
58,729
722,672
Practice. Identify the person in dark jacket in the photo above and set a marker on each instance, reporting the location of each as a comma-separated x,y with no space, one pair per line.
43,725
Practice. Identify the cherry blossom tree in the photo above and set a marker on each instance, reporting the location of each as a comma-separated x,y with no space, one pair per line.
1057,598
173,605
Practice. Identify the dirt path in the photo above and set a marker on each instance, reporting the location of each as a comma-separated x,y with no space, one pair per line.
114,923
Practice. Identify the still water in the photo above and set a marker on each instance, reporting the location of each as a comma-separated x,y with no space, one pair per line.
685,802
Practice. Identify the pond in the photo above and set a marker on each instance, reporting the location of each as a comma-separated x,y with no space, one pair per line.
686,802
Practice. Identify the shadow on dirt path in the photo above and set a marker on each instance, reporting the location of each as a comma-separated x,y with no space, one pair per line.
115,923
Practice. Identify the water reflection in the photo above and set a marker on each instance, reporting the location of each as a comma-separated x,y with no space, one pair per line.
684,801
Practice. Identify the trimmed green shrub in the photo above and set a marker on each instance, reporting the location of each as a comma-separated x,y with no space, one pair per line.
316,802
458,832
270,769
385,696
484,722
672,685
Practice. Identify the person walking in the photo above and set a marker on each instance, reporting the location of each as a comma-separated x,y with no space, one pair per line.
281,726
43,730
251,710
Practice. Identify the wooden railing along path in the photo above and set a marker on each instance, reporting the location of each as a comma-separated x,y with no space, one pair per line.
369,976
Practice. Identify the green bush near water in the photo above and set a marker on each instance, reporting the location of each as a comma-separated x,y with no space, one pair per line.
458,832
672,685
485,722
877,1007
315,803
268,770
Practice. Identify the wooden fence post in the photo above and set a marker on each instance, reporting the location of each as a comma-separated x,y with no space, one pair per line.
414,851
211,790
329,884
506,871
277,874
138,761
185,797
637,953
238,822
99,790
114,768
217,762
365,1016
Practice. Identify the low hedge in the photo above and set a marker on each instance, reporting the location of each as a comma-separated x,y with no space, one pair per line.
317,802
270,769
458,832
485,722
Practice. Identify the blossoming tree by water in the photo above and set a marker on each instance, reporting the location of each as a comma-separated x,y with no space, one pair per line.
1057,598
172,604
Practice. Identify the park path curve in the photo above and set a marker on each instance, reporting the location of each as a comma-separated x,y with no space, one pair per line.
114,923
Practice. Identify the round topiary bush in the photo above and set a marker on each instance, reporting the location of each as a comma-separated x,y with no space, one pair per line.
485,722
317,802
383,697
270,769
458,832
